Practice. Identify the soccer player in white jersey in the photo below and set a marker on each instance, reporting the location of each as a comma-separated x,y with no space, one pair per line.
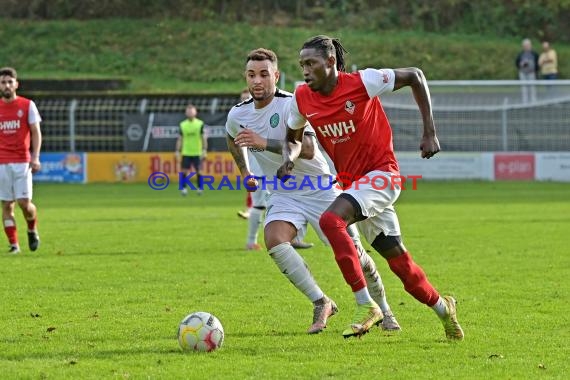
259,125
256,203
353,129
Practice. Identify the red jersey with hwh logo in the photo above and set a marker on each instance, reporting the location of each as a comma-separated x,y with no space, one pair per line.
15,120
350,123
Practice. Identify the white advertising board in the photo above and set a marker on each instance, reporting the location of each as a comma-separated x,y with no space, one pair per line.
553,166
447,165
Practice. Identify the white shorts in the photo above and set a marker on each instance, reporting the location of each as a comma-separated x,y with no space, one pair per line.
15,181
259,198
376,199
300,210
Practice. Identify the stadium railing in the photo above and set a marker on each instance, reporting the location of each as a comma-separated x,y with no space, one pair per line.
473,116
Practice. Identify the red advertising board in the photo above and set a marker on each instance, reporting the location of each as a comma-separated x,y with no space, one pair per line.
514,166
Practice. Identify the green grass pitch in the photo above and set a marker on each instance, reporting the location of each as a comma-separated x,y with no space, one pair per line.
121,265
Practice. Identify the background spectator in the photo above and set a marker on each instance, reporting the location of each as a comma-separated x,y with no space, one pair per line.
548,62
527,65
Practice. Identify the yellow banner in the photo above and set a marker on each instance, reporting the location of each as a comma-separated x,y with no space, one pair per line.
137,167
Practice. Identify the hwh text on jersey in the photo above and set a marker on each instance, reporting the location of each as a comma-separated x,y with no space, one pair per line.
339,129
10,124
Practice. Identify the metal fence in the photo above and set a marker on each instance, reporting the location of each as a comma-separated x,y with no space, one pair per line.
470,116
96,123
487,116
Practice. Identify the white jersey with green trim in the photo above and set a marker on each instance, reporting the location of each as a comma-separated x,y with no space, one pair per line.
269,122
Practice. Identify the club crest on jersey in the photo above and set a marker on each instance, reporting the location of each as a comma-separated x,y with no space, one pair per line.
349,107
20,113
274,120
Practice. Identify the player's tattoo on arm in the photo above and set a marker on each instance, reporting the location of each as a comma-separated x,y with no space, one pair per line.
307,147
239,155
292,148
292,145
274,146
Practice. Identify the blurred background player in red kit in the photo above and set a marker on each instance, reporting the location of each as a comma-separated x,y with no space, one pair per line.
19,132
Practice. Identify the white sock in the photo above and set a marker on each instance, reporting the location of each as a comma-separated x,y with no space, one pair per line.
292,265
254,222
373,279
362,296
440,308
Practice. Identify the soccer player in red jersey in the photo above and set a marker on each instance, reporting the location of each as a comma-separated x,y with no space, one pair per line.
19,132
347,115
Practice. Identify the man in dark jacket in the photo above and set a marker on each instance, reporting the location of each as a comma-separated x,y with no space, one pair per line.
527,66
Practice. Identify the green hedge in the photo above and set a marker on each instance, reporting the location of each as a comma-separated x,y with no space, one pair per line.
177,55
509,18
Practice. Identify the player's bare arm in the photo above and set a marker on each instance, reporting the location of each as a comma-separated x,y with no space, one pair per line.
178,145
308,146
292,147
204,145
240,157
36,144
414,78
178,150
246,138
250,139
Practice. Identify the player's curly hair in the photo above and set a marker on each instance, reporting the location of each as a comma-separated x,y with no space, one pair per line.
262,54
328,46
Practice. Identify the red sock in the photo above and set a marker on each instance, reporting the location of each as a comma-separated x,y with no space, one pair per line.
414,279
32,224
345,252
12,234
248,200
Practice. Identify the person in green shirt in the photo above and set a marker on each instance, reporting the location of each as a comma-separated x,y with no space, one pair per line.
191,145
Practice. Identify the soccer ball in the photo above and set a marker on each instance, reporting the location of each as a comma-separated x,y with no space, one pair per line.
200,331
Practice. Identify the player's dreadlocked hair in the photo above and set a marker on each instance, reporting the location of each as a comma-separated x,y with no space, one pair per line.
328,46
262,54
